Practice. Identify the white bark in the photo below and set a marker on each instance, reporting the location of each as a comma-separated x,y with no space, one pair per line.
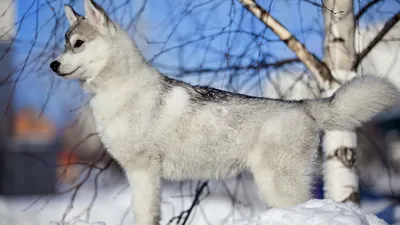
340,178
7,34
7,15
316,67
339,43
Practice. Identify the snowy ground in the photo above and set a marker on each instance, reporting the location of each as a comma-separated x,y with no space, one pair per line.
218,206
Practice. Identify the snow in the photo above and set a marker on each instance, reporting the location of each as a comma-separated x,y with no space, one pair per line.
318,212
217,206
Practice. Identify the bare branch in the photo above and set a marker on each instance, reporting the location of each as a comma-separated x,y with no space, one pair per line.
365,8
392,39
184,216
388,26
322,6
252,66
316,66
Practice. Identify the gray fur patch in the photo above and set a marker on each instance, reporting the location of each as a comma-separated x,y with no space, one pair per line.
84,29
204,94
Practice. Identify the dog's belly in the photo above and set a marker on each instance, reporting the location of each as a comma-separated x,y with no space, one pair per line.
202,163
191,169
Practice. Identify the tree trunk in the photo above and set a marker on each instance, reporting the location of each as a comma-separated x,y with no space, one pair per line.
340,178
7,12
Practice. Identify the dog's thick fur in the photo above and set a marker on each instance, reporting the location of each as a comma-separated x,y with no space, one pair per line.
157,127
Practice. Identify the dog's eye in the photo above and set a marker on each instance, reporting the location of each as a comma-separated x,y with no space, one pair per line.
78,43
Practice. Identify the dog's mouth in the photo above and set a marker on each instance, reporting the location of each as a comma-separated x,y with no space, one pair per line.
70,73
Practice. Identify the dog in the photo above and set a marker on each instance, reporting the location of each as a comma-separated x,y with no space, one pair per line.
159,128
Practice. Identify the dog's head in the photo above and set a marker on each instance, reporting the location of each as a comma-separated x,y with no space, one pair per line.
87,43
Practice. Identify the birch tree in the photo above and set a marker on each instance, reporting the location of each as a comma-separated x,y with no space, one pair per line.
337,67
341,182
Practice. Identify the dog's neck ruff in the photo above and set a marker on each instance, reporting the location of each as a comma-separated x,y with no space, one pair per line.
125,65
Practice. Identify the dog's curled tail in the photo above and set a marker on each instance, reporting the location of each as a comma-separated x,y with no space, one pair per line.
354,103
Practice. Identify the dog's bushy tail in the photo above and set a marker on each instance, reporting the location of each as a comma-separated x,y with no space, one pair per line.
355,102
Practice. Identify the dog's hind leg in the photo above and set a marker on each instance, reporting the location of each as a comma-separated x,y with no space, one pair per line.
282,187
283,172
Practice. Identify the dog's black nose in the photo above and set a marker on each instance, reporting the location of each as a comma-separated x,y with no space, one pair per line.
55,65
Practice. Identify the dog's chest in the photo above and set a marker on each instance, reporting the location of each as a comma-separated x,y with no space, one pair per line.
119,122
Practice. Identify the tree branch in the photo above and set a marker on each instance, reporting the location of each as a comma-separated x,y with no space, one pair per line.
316,66
322,6
388,25
365,8
183,217
253,66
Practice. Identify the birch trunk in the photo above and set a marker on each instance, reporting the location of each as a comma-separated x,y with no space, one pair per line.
339,66
340,178
7,34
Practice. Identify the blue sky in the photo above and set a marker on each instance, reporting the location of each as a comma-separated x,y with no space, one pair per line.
40,88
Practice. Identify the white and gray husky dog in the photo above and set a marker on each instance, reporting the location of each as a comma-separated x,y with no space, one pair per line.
161,128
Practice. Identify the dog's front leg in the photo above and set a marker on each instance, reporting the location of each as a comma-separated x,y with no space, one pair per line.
144,177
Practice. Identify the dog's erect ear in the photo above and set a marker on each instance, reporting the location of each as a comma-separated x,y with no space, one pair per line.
95,14
71,15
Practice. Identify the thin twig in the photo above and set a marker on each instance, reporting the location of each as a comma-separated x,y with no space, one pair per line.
386,28
252,66
184,215
365,8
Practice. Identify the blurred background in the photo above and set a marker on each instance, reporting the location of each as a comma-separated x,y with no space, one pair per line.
53,167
